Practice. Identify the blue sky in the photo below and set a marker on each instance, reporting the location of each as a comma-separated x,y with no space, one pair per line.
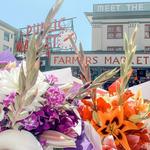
20,13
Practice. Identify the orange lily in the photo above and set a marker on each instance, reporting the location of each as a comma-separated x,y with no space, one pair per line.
136,106
88,107
102,105
141,106
125,96
114,124
129,108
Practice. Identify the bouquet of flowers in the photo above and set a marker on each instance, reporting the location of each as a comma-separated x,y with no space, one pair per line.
119,117
34,111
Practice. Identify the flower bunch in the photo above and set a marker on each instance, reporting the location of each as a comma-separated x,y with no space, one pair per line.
49,113
119,117
32,105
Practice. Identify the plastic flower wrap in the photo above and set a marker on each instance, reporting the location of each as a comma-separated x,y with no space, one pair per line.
119,116
34,111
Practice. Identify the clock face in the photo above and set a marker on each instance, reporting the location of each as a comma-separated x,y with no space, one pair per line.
63,39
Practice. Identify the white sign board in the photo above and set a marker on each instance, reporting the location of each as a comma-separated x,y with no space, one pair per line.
139,60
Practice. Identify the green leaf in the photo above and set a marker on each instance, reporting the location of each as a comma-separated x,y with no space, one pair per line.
30,99
126,48
22,115
22,80
32,77
135,118
105,76
133,37
96,118
11,116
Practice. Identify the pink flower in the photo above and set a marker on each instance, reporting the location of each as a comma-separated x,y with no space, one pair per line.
9,99
51,79
109,143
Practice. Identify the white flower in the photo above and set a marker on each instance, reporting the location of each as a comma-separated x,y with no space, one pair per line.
18,140
9,82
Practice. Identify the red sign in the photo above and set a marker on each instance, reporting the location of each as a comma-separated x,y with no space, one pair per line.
35,29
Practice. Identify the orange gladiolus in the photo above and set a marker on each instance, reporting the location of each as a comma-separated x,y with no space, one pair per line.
115,85
129,109
88,107
85,112
113,123
126,95
102,105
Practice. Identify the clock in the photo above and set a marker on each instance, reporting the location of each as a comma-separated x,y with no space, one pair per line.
63,39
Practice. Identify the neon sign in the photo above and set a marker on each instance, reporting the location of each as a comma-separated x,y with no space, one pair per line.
53,39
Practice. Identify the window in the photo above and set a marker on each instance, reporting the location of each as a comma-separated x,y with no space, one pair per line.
5,47
115,31
141,73
147,31
115,48
6,36
42,63
147,48
11,36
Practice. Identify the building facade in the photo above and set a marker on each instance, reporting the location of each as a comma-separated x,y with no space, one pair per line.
110,22
7,36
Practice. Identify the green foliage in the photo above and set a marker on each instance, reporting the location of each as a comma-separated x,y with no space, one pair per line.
126,66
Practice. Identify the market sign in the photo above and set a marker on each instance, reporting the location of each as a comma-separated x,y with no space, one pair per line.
121,7
139,60
55,38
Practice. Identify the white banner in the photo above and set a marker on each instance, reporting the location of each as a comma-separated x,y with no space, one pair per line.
139,60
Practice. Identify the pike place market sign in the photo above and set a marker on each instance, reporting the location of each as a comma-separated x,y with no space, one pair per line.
122,7
139,60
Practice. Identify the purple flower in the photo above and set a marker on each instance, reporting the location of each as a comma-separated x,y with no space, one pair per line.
51,79
54,96
48,118
68,119
43,142
31,122
9,99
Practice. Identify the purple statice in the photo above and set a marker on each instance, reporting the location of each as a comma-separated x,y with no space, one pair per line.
68,119
9,99
48,118
31,122
51,79
55,97
45,119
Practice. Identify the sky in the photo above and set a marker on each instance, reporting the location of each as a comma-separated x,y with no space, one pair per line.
20,13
